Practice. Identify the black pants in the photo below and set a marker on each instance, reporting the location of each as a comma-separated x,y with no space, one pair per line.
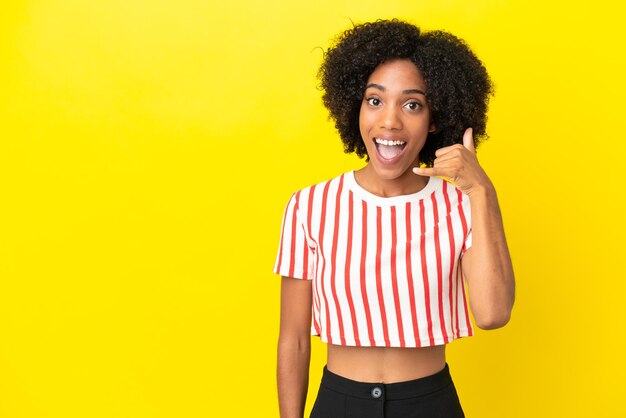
428,397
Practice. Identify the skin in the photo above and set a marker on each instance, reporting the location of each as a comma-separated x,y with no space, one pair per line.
394,107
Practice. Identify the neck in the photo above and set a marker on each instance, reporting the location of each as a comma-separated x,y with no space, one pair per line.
407,183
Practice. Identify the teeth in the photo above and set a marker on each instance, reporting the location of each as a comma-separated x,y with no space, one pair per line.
389,142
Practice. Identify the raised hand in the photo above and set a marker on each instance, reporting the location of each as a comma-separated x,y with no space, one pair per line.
459,164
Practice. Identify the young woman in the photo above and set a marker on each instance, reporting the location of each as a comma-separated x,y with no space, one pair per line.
375,261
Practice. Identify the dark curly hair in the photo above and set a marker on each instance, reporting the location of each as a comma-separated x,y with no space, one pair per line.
458,87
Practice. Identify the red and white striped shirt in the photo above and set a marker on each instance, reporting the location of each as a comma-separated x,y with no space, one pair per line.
386,271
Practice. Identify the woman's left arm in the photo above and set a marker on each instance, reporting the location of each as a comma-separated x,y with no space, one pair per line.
486,266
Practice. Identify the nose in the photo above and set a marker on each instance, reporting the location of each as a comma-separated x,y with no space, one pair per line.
390,118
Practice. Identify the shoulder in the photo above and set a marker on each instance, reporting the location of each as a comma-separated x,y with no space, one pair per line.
317,189
447,196
451,191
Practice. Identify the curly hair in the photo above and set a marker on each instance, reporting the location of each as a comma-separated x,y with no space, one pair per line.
458,87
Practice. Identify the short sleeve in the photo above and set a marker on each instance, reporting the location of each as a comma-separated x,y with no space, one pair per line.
466,216
295,257
468,241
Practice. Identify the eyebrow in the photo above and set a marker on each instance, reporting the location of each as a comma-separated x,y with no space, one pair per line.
382,88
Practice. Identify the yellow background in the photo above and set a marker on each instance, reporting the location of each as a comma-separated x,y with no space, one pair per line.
147,151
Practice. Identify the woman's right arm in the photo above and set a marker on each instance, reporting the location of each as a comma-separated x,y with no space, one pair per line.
294,346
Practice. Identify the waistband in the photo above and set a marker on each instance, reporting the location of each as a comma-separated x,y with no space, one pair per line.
389,391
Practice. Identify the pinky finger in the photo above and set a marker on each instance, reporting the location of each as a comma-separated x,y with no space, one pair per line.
425,171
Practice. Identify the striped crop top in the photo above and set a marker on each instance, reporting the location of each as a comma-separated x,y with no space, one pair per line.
386,271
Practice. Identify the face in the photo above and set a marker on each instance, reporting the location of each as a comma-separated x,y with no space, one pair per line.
394,119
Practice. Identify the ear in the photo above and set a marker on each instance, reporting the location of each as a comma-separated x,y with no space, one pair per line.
432,128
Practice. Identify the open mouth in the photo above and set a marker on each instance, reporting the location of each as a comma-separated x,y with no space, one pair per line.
389,149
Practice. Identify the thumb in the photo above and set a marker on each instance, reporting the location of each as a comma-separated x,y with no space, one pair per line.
468,140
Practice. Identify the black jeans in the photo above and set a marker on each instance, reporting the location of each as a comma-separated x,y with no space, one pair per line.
428,397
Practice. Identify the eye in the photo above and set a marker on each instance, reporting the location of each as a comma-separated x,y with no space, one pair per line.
414,105
373,101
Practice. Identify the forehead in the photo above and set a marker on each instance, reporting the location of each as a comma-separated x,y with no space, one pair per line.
396,72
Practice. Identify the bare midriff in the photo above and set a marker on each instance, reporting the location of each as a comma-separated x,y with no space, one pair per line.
385,364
